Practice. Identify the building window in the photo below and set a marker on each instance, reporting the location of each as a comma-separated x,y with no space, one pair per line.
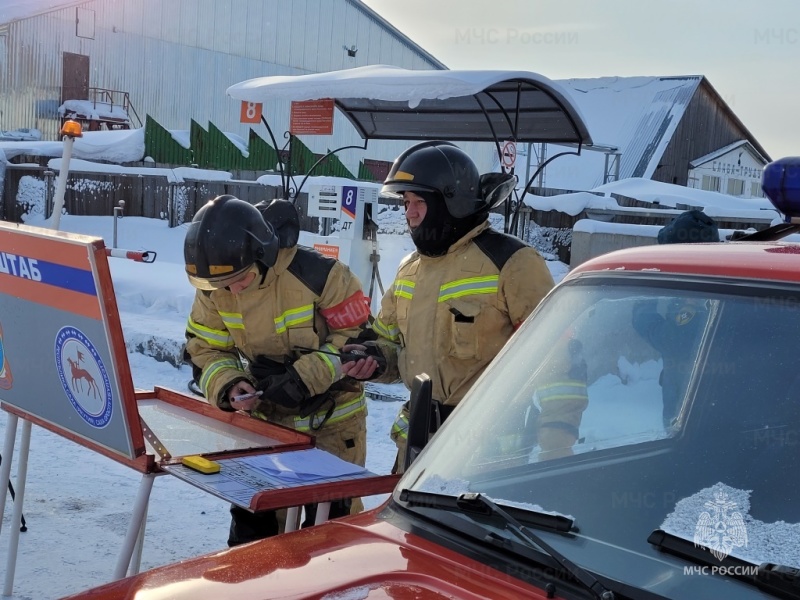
84,23
710,183
755,190
735,187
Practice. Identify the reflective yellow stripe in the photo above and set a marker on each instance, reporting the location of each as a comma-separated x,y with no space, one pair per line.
400,425
294,316
213,337
340,413
334,363
391,332
404,288
562,390
213,368
232,320
469,287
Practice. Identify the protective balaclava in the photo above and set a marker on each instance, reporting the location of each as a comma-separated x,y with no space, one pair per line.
439,230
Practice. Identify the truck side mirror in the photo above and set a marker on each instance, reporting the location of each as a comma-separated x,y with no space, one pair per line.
419,420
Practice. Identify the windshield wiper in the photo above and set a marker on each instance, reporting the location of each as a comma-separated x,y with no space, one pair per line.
479,503
781,580
531,517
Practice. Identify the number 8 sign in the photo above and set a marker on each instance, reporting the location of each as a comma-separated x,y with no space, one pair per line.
349,201
251,112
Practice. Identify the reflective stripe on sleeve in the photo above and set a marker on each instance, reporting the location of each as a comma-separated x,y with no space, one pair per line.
562,390
294,316
213,368
213,337
390,332
404,288
232,320
334,363
340,413
400,425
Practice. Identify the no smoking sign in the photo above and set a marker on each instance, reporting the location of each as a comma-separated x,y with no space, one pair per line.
509,154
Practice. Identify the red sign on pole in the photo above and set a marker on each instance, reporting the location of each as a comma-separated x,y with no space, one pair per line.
251,112
312,117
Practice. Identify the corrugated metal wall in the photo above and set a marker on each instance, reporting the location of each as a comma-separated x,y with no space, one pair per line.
176,58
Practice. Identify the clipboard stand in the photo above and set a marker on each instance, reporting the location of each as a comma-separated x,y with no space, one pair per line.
72,377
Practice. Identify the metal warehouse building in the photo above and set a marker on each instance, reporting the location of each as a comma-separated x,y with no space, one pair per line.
172,60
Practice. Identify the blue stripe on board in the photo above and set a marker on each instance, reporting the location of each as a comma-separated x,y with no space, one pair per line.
69,278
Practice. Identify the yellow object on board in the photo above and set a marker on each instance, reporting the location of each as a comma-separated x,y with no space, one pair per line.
198,463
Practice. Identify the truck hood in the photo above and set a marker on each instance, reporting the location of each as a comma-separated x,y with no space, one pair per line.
358,557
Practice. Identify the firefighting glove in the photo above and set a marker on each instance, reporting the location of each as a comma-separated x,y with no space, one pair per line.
262,367
287,390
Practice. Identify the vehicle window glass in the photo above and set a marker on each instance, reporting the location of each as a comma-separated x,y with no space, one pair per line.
618,401
600,371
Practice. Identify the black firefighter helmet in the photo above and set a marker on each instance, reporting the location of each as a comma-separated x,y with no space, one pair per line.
439,167
226,237
445,169
458,199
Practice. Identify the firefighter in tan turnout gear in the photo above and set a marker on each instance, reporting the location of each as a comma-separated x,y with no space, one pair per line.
259,298
457,299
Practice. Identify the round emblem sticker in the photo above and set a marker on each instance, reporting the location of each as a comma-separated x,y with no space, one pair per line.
83,376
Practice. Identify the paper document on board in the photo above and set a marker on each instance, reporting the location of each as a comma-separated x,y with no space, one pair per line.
302,465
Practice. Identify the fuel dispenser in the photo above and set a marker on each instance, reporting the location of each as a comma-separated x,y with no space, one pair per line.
348,232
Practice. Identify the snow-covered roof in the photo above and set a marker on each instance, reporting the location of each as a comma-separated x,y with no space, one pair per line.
21,134
387,102
714,204
635,115
724,150
117,146
87,109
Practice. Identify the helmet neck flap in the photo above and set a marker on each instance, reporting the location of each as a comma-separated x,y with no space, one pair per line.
439,230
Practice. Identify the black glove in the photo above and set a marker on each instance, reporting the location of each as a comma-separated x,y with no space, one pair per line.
263,367
287,390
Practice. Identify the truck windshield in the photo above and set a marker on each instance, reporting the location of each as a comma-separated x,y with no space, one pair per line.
628,405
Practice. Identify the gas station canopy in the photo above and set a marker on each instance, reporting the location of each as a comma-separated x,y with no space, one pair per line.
392,103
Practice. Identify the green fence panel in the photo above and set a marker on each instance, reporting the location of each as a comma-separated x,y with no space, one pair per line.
364,173
332,165
199,142
221,153
162,147
302,157
263,157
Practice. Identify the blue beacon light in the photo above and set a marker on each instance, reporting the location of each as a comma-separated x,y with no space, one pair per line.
781,183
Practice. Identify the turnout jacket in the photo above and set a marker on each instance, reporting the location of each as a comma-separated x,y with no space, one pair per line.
449,316
305,300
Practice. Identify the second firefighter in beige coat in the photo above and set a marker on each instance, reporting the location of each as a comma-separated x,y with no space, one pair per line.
457,300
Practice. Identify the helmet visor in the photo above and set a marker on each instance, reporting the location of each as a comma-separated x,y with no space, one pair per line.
395,191
217,282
